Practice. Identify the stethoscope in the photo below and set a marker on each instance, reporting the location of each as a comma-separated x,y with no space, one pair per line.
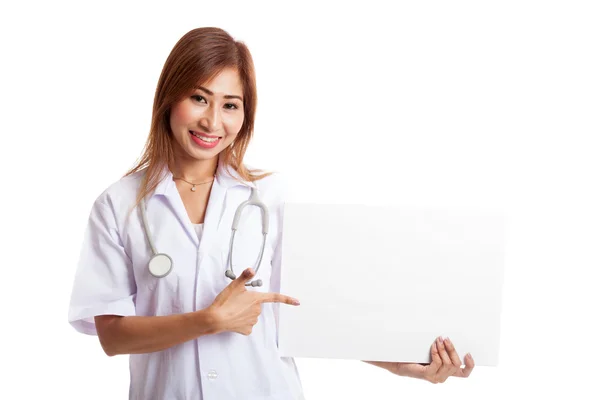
161,264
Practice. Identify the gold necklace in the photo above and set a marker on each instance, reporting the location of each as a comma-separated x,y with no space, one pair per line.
196,184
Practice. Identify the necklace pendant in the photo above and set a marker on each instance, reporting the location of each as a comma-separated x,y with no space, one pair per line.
194,188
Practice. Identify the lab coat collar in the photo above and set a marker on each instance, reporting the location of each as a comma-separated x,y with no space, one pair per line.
166,183
226,176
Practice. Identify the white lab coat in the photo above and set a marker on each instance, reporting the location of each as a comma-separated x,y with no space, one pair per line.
112,278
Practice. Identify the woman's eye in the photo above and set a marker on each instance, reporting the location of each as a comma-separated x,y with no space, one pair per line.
231,106
198,98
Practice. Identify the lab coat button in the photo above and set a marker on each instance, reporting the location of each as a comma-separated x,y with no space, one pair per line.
212,374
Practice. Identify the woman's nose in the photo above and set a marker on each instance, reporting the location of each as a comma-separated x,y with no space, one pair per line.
212,118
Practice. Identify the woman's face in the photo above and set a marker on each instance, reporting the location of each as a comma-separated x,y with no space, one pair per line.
207,121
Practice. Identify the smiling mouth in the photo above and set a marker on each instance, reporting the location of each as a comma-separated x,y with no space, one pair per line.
207,139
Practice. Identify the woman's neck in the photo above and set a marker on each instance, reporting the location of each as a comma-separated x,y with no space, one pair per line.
195,170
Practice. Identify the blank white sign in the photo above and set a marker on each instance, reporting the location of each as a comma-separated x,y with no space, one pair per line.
380,283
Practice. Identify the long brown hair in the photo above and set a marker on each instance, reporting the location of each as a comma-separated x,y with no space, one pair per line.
195,59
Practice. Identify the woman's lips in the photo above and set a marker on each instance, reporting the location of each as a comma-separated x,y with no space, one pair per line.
205,141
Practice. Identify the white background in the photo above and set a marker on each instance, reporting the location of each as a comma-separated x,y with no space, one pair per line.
452,103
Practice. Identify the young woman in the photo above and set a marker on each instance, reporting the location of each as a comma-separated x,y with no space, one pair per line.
163,277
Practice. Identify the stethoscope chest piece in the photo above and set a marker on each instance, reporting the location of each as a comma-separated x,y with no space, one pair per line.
160,265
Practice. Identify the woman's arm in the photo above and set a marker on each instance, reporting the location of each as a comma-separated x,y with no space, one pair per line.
402,369
136,334
235,309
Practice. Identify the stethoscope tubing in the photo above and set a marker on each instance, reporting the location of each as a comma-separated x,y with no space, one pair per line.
254,200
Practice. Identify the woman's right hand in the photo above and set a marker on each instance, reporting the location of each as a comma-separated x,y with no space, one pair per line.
236,309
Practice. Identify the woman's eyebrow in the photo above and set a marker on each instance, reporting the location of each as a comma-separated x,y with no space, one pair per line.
227,96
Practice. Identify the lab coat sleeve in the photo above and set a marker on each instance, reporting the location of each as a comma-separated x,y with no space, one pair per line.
104,282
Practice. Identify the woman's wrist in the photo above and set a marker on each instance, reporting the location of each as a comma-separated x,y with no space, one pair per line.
408,370
399,368
207,322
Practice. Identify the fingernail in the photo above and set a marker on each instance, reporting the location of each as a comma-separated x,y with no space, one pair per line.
295,302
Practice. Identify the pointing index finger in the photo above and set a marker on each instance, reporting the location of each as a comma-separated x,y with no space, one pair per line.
278,298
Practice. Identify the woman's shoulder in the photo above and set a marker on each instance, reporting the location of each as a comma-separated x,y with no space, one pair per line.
121,191
274,186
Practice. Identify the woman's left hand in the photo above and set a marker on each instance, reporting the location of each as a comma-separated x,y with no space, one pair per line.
444,364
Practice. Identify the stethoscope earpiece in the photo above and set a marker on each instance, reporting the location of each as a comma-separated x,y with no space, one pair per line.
230,275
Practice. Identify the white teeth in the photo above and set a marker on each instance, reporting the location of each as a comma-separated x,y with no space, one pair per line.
204,138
